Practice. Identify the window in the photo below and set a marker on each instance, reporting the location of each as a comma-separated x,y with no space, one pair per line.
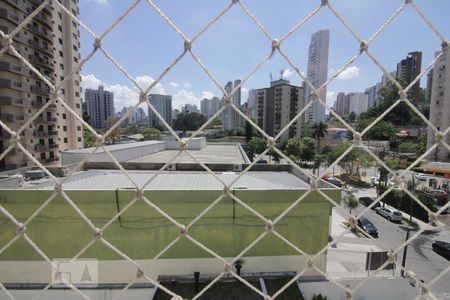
64,128
61,66
79,138
65,140
61,53
60,28
75,59
78,128
64,117
59,15
60,41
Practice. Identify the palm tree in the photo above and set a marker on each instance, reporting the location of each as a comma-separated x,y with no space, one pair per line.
318,131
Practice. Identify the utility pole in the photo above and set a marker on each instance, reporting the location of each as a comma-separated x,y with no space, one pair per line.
405,250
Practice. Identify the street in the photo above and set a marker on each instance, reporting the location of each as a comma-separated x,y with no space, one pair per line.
420,259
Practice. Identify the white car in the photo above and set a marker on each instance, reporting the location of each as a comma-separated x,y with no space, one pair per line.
390,214
421,177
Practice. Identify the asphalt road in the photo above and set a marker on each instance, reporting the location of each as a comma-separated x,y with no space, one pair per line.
420,259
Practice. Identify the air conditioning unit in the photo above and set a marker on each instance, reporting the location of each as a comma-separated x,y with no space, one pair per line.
64,172
237,167
172,167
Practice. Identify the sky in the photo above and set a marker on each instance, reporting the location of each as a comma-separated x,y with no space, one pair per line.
144,44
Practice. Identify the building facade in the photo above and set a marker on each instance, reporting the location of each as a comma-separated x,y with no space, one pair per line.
357,102
440,107
341,106
277,106
205,107
317,74
372,95
50,42
408,69
163,105
100,106
190,108
231,119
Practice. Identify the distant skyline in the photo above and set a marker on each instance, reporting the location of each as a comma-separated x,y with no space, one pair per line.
144,44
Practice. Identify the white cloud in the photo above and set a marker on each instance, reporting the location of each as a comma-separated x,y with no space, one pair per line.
288,73
174,84
99,1
244,90
187,85
124,95
331,97
349,73
207,95
183,97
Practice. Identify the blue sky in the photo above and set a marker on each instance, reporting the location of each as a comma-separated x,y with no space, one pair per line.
145,44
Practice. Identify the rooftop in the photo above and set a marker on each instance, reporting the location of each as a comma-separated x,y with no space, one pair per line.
211,153
113,147
173,180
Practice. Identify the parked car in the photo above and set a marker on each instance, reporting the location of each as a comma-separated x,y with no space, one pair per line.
367,201
333,181
391,214
442,248
368,226
421,177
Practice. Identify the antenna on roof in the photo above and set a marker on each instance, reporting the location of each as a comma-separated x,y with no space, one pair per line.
270,75
281,73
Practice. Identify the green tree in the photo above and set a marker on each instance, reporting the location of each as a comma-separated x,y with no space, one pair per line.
249,131
306,129
381,131
319,130
319,297
116,133
258,145
293,148
351,202
189,121
131,129
151,134
307,149
88,138
408,147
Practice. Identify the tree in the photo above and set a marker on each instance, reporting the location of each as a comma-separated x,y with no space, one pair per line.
351,202
381,131
189,121
116,133
151,134
408,147
131,129
258,145
249,131
319,297
307,149
293,148
88,138
318,131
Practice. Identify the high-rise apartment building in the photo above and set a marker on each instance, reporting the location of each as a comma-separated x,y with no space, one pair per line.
252,103
100,106
190,108
230,117
341,106
440,106
215,105
408,69
50,42
277,106
163,105
205,107
373,94
317,74
357,102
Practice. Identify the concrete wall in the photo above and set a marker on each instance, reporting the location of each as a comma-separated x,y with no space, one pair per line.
134,151
195,144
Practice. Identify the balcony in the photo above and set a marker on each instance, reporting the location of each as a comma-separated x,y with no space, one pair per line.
42,48
4,14
10,84
38,105
40,133
5,135
40,148
44,20
53,146
12,118
40,90
6,66
41,61
42,120
41,33
10,101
